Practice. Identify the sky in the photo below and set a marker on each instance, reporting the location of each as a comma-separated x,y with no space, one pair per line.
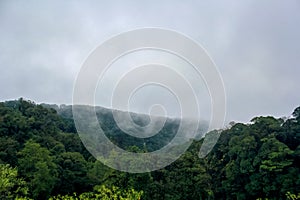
254,44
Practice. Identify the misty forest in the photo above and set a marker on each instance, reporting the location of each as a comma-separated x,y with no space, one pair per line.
42,157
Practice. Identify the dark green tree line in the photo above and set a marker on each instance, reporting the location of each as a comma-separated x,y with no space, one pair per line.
41,156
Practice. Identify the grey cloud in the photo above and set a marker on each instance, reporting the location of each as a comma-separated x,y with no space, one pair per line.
255,44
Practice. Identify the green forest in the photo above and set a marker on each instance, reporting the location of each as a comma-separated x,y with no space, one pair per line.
42,157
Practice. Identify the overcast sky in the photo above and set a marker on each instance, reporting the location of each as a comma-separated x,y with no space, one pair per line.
255,45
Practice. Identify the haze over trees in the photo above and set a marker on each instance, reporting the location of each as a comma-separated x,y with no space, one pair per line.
42,157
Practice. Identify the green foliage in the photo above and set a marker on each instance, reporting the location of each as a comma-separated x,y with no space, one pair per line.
103,193
296,113
42,157
291,196
274,155
11,186
72,172
257,161
38,168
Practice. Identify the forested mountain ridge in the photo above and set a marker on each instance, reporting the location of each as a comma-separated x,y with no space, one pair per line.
106,120
42,156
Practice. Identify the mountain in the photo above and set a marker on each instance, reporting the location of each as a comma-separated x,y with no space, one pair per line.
118,133
42,157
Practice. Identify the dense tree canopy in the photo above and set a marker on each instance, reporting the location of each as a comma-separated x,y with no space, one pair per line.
42,157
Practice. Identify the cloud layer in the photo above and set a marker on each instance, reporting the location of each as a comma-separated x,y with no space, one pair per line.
255,45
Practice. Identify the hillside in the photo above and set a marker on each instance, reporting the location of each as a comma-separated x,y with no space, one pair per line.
41,156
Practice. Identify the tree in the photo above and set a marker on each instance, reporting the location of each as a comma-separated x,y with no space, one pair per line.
11,186
103,193
273,158
72,173
8,150
296,113
37,166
